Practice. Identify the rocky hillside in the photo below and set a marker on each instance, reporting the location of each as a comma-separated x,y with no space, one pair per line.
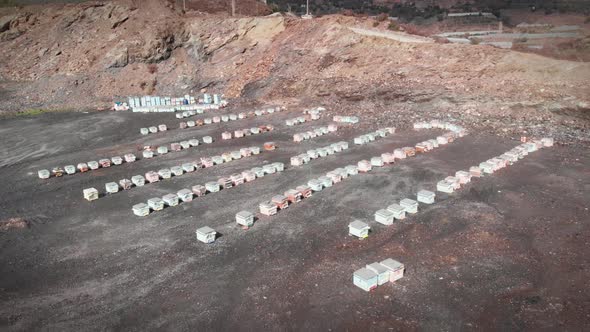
82,55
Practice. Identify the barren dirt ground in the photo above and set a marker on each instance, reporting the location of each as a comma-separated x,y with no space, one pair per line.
508,252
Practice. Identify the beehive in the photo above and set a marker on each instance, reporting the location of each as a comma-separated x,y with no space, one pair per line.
475,171
313,154
384,217
162,127
365,279
225,182
174,147
236,155
376,161
129,158
185,144
245,152
176,170
237,179
191,124
224,118
216,119
193,142
104,163
207,121
255,150
90,194
206,234
162,150
387,158
245,218
409,205
147,154
304,190
126,184
182,125
225,157
445,187
111,187
207,162
426,196
381,271
156,203
153,129
259,171
463,177
200,190
325,181
70,169
152,177
138,180
226,135
399,154
280,201
248,176
268,208
334,176
207,140
293,196
453,181
82,167
359,229
144,131
399,212
269,169
165,173
185,195
364,166
296,161
396,269
170,199
269,146
141,209
188,167
315,185
351,170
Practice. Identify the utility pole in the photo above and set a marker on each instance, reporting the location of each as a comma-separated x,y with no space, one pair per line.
307,8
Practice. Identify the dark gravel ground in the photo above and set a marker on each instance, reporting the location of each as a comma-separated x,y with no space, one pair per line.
507,252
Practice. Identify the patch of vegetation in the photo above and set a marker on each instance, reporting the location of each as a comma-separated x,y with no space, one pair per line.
475,41
37,111
393,26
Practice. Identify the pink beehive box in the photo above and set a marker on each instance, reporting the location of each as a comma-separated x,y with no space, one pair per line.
226,135
152,177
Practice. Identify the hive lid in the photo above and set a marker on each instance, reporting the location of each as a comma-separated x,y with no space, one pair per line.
384,213
244,214
392,264
357,224
365,274
205,230
407,202
377,268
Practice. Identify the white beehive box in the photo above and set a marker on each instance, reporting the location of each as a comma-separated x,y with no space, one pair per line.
193,142
90,194
236,155
141,209
365,279
248,175
245,218
93,165
399,154
279,167
144,131
547,141
177,170
396,269
237,179
212,187
156,203
165,173
170,199
188,167
70,169
153,129
296,161
351,170
138,180
191,124
313,154
426,196
207,140
325,181
206,234
147,154
185,144
359,229
162,127
269,169
376,161
245,152
410,205
453,181
268,208
381,271
111,187
162,150
445,187
185,195
384,217
225,157
487,167
315,185
399,212
44,174
258,171
255,150
387,158
226,135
